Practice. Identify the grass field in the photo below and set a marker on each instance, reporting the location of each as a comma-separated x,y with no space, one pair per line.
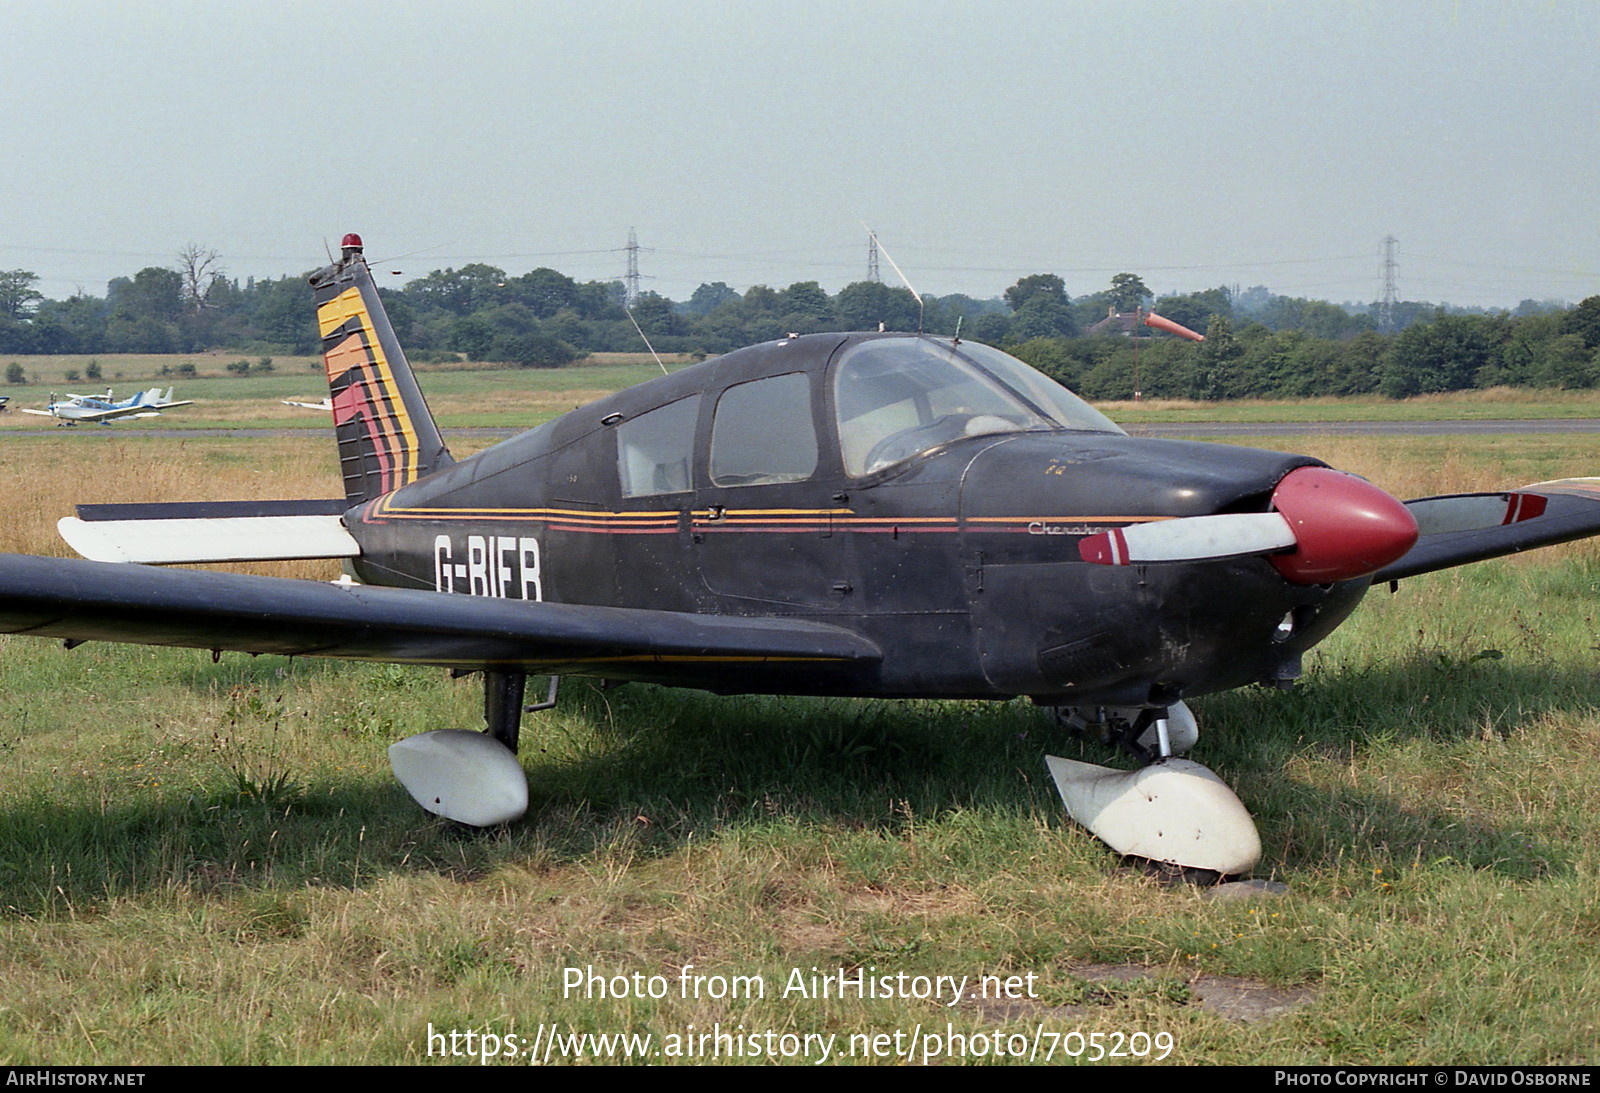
209,863
463,396
459,396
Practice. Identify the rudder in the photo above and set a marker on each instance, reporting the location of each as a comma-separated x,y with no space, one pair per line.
387,436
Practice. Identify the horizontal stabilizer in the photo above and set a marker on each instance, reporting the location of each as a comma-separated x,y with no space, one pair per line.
193,540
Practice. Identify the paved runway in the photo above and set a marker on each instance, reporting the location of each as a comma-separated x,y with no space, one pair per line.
1367,428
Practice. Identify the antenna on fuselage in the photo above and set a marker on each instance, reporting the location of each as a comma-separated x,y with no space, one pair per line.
647,345
922,308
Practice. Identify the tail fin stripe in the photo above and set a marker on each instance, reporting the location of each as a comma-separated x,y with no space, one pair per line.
371,392
387,437
386,412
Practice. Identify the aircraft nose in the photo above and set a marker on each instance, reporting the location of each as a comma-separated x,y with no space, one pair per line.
1343,526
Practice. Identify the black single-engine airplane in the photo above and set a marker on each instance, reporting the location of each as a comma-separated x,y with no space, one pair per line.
887,515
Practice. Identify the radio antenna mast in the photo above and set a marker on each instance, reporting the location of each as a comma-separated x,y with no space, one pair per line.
922,308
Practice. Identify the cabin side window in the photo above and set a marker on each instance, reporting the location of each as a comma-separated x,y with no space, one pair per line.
654,450
763,433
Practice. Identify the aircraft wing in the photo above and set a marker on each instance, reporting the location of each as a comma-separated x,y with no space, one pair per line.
1470,527
123,412
108,601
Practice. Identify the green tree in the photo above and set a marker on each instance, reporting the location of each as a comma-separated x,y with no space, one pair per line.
655,315
81,319
1444,355
18,297
599,300
1584,321
1036,286
1216,371
152,293
1127,292
1565,362
1194,310
707,298
15,374
865,304
1043,316
536,350
472,335
542,291
282,313
473,287
807,298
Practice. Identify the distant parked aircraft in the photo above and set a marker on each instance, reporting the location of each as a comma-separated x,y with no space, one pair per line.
100,408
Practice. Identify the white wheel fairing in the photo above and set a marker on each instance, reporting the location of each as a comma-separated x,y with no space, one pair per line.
1173,811
468,777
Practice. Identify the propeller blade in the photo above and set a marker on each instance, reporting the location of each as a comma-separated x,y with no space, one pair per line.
1161,322
1190,538
1328,526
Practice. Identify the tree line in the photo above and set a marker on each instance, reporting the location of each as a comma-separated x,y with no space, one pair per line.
1258,344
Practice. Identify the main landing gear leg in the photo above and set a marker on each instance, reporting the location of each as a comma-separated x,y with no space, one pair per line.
1172,811
473,777
502,706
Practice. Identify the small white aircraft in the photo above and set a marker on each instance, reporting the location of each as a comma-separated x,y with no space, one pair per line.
100,408
325,405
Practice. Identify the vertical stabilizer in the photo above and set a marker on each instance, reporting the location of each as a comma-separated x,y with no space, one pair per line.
387,436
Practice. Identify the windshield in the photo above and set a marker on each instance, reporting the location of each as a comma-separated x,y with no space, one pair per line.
899,397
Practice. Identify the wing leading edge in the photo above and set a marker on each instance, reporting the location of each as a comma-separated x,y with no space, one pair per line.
107,601
1471,527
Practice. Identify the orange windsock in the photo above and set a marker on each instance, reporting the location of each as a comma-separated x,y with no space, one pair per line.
1161,322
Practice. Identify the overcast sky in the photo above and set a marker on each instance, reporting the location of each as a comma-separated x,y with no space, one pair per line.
1194,143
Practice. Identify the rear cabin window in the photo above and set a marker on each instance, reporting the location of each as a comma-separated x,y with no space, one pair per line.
763,433
655,449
